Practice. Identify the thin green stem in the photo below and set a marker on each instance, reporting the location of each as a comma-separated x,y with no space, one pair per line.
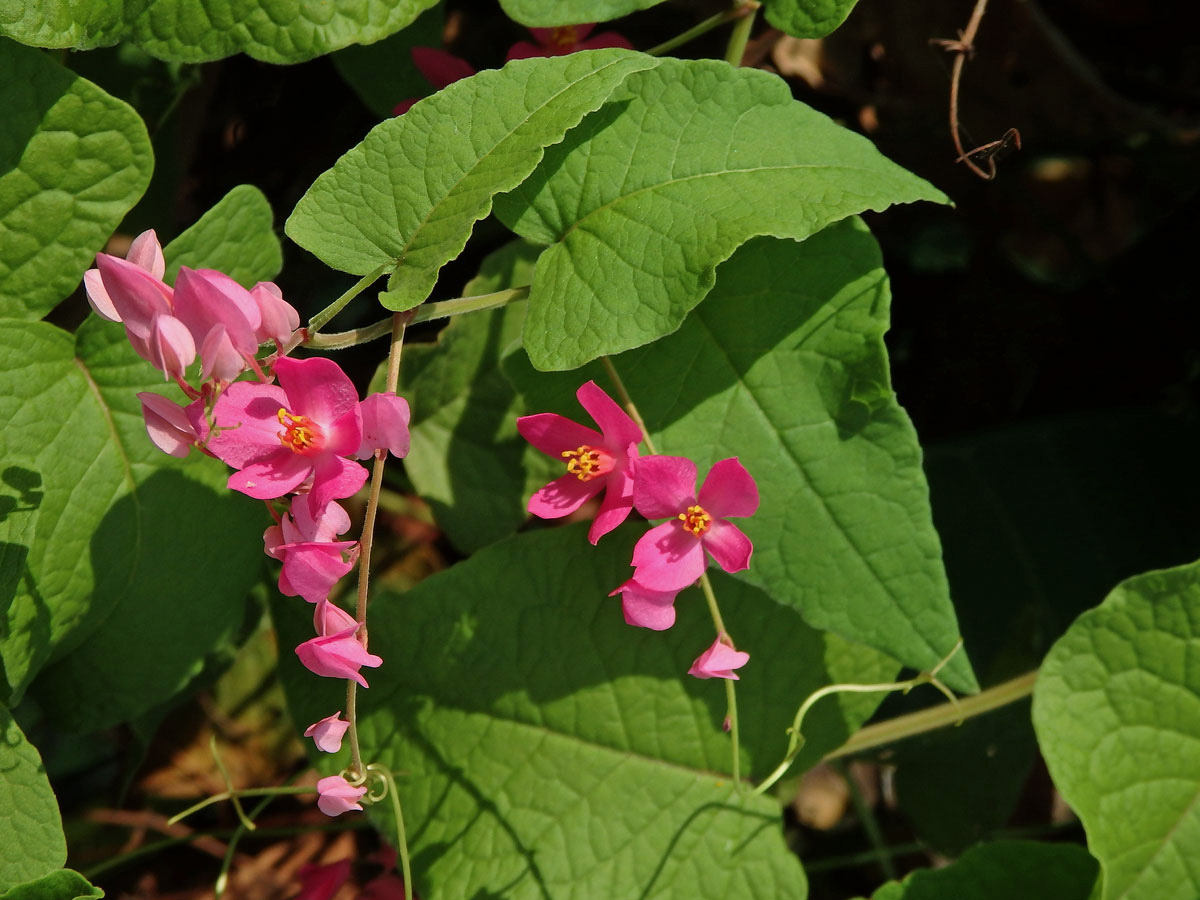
870,825
227,862
796,733
246,792
735,761
317,322
737,11
740,34
713,609
401,839
237,804
627,402
340,340
399,323
444,309
935,717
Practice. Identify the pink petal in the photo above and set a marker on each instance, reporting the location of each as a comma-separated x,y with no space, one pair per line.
335,478
146,253
552,434
337,656
329,618
279,318
729,490
728,545
664,486
276,475
618,501
317,388
326,525
618,428
667,558
719,661
171,346
385,420
136,295
312,569
439,67
221,359
327,734
646,608
605,39
247,416
563,496
405,105
167,424
524,50
205,298
97,296
322,882
335,795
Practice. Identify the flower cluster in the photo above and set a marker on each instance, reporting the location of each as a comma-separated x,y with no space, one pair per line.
670,556
292,434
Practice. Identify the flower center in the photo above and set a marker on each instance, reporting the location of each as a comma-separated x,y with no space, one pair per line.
696,520
586,463
564,36
301,434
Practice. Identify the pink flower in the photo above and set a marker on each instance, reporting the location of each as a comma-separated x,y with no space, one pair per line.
224,320
566,39
279,319
595,461
337,655
719,661
322,882
335,795
384,425
383,887
168,424
646,608
329,618
327,734
671,556
277,437
313,559
439,68
146,254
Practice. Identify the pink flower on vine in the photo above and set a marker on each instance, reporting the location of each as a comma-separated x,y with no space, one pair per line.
671,556
327,734
566,39
313,558
335,795
719,661
339,654
646,608
595,460
169,425
440,70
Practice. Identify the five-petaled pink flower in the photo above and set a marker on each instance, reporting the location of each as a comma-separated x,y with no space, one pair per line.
671,556
278,436
335,795
595,461
646,608
566,39
327,734
719,661
313,558
339,654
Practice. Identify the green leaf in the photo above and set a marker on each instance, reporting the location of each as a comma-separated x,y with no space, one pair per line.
383,73
467,459
278,31
113,537
30,826
784,366
65,884
236,236
808,18
407,197
73,161
548,13
640,207
1002,871
1116,709
553,750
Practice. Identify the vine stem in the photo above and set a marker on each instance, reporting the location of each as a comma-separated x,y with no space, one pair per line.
399,323
740,35
317,322
705,585
245,792
737,11
796,735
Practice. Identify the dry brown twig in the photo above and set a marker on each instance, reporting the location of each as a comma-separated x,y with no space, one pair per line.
964,47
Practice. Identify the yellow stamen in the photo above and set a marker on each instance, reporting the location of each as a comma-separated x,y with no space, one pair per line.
298,436
565,36
586,463
696,520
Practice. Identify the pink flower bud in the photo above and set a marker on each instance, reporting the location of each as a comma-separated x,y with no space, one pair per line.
279,318
335,795
384,425
719,661
172,349
167,424
327,734
329,618
223,319
337,655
